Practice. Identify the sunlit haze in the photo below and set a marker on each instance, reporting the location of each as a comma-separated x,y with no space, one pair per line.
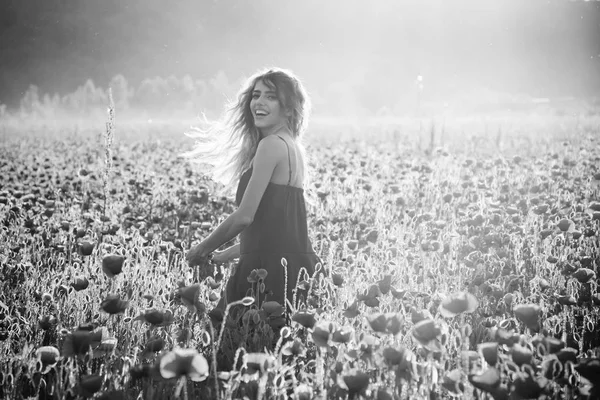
352,55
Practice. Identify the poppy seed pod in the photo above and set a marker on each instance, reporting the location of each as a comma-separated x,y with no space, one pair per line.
248,301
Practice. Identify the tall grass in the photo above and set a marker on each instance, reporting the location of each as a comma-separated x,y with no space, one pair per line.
109,135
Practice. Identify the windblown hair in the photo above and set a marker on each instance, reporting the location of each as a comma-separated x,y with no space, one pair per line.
226,147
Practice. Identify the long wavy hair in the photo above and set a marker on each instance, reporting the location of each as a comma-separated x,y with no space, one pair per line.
226,147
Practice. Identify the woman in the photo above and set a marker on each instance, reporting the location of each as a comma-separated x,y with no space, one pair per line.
263,151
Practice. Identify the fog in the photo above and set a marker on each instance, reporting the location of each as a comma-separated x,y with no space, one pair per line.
351,54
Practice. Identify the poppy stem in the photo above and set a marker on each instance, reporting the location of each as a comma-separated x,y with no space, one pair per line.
185,389
181,384
258,284
214,355
320,371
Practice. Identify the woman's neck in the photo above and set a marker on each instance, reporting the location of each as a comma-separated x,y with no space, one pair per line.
274,130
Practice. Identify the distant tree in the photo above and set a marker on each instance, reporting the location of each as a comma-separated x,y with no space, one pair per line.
173,99
93,96
151,94
145,93
30,102
86,98
188,86
48,107
121,92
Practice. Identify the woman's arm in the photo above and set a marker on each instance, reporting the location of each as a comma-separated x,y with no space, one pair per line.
227,230
270,150
227,255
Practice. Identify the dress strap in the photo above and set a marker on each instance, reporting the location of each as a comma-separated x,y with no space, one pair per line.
289,159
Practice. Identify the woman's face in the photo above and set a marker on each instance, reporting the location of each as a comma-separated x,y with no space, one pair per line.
266,108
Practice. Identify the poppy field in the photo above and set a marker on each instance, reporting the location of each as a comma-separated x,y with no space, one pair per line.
456,265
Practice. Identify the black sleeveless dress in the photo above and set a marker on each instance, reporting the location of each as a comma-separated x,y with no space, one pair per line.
279,230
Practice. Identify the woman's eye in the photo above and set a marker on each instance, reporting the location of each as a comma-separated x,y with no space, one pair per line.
271,97
255,96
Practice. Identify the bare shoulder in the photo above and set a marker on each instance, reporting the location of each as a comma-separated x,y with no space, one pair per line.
271,147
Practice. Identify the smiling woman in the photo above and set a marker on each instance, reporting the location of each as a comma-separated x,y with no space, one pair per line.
258,145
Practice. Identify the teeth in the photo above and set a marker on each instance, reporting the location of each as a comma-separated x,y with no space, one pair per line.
261,112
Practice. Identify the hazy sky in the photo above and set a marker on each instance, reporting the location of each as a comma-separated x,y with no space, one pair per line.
542,48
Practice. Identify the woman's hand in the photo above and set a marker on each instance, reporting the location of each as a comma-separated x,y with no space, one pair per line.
197,255
226,256
220,257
